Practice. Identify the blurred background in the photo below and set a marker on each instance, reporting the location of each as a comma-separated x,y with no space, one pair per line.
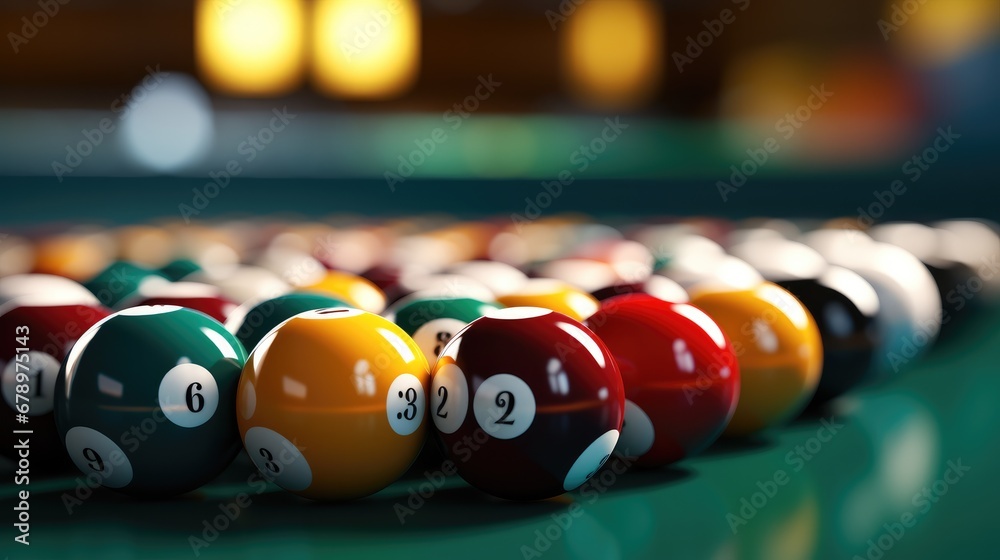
848,93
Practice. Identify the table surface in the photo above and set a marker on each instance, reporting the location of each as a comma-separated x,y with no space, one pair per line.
890,460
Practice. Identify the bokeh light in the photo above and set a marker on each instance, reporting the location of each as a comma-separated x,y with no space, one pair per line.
251,47
612,52
366,49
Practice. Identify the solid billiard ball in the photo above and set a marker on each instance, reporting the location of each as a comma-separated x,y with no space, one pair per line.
42,327
193,295
657,286
77,255
778,348
356,291
179,269
552,294
682,380
528,403
845,308
254,319
120,280
146,400
844,305
332,404
433,321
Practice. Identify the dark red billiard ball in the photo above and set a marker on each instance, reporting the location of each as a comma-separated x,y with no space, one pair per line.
681,377
40,324
528,403
193,295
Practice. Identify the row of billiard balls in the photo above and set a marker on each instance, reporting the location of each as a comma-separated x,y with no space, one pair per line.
336,403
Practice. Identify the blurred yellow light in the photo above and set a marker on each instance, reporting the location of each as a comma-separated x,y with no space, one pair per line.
367,49
939,31
250,47
611,51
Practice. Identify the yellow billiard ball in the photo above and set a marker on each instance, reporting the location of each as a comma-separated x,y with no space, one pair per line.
332,404
778,347
349,288
552,294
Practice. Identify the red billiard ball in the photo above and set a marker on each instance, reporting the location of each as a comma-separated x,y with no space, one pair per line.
193,295
528,403
681,377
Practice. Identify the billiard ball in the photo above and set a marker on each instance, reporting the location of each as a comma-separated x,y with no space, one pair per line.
77,255
657,286
332,404
844,305
778,348
442,285
946,256
146,400
500,278
242,283
179,269
120,280
193,295
528,403
17,256
552,294
910,311
432,321
19,285
681,377
42,327
252,320
351,288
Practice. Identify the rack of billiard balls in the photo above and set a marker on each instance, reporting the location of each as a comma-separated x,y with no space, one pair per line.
334,355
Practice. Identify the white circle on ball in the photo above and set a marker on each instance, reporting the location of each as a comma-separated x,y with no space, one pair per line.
591,460
638,433
504,406
449,398
188,395
41,371
278,459
94,453
143,310
514,313
434,335
405,404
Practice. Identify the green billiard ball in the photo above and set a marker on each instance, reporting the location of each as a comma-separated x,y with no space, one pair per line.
432,321
120,280
178,269
146,400
251,321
